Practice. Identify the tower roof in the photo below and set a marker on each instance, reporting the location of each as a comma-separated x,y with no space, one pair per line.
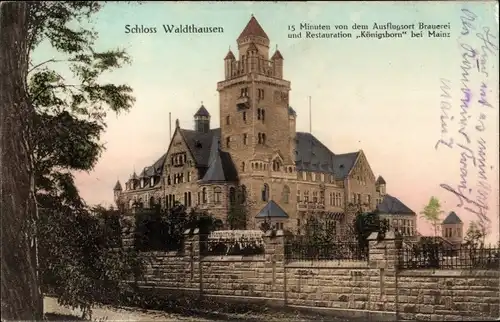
253,28
118,186
202,111
277,55
380,180
229,55
452,219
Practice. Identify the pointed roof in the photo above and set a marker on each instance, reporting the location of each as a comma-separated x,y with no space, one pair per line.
277,55
272,210
380,180
230,55
118,186
202,111
221,167
393,206
134,176
452,219
253,28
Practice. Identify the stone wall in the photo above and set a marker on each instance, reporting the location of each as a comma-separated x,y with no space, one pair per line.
372,290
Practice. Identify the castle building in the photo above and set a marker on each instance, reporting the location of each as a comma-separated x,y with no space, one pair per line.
256,162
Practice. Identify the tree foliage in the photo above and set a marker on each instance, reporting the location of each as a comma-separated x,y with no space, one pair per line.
239,209
432,213
71,109
475,235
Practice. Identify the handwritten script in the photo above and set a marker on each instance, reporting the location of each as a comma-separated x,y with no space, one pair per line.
478,48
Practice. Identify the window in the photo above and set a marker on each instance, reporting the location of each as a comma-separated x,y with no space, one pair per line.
306,196
263,138
298,196
168,180
228,141
232,195
204,195
322,197
188,176
322,177
244,92
217,195
313,176
332,200
263,115
152,181
369,199
260,138
142,183
260,94
244,116
151,202
276,165
185,199
304,176
189,199
258,114
228,120
243,195
265,192
315,196
243,166
286,194
245,139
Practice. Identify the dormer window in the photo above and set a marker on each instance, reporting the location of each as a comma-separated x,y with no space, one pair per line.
152,181
142,183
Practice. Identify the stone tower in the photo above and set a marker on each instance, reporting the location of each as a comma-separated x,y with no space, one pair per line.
257,124
255,119
452,228
117,190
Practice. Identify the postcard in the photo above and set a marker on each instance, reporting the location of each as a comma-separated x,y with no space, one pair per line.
289,117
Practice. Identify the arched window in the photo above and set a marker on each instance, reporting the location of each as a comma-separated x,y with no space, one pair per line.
217,195
286,194
265,192
263,115
204,195
232,195
276,165
228,141
245,139
263,138
243,195
243,166
228,120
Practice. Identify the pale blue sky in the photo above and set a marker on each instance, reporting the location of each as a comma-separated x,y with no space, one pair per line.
381,96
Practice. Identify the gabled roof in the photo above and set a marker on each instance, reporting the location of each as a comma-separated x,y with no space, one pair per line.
380,180
272,210
311,154
202,111
252,47
118,186
277,55
199,143
393,206
452,219
253,28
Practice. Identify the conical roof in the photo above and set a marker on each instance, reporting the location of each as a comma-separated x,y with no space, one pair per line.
452,219
118,186
202,111
380,180
277,55
230,55
253,28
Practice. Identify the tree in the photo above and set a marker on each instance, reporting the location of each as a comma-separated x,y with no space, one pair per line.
59,135
21,296
475,235
432,213
239,209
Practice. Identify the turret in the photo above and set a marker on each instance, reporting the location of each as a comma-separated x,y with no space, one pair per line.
452,228
380,185
253,34
277,60
202,120
228,64
117,190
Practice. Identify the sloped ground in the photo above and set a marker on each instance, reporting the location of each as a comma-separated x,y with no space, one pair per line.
55,312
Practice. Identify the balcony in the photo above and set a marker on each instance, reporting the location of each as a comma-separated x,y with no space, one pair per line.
304,206
243,103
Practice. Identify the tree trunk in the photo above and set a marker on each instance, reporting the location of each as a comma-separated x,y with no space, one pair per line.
21,296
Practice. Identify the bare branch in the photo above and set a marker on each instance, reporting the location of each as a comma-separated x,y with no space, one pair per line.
46,62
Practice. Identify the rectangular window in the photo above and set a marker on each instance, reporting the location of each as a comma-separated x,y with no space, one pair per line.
298,195
245,139
304,176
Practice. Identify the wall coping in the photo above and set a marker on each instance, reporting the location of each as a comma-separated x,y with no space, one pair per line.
328,264
234,258
449,273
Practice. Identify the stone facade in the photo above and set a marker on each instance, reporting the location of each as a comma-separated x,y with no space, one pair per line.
372,289
269,158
